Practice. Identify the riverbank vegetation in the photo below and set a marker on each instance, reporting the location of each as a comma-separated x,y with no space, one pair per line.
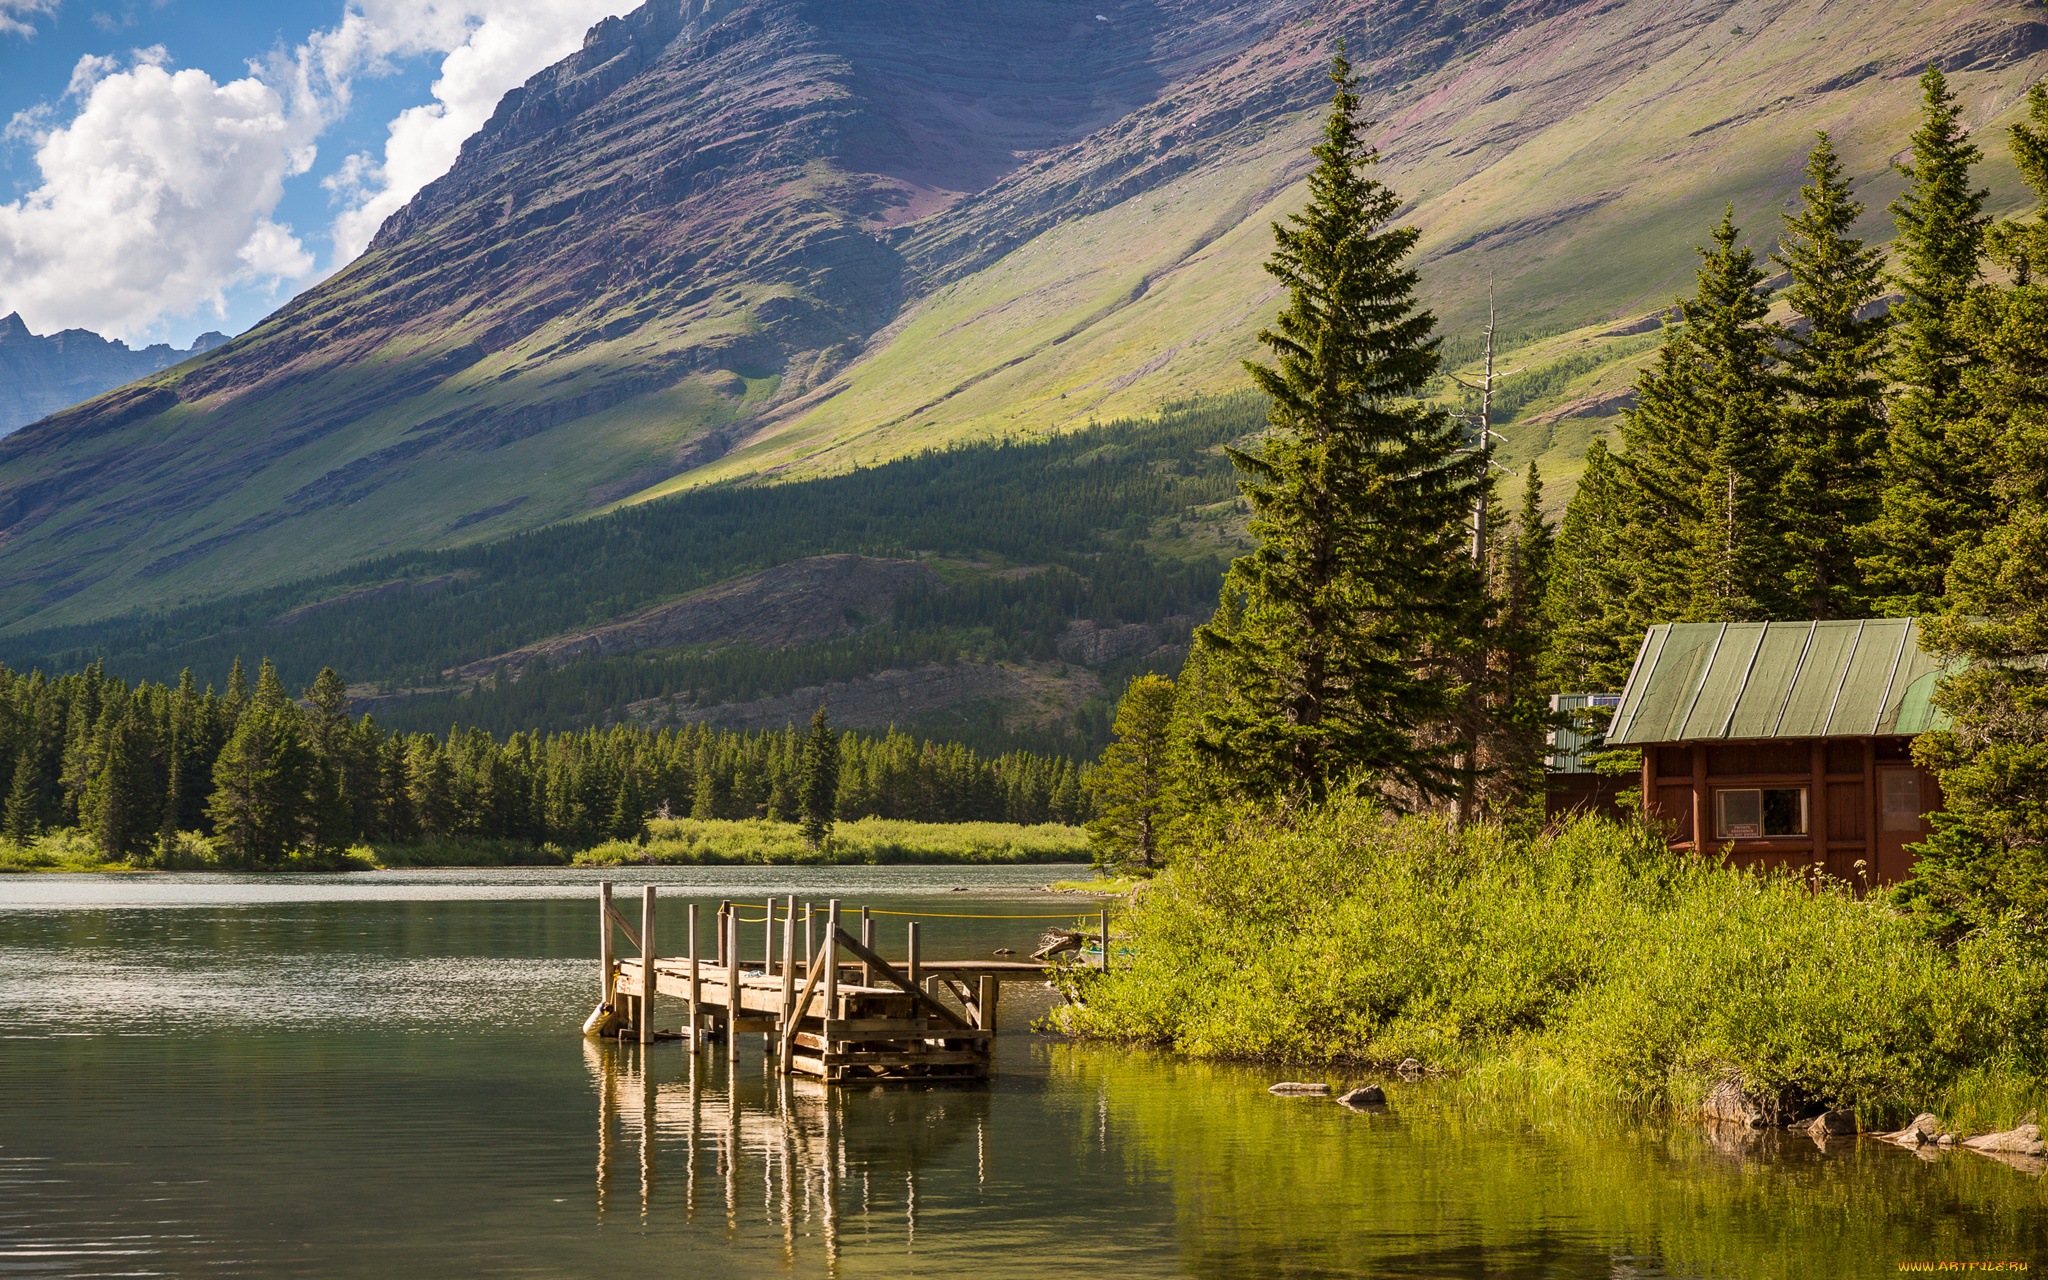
868,841
1590,959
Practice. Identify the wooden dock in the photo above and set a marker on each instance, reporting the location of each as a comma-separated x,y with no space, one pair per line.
829,1004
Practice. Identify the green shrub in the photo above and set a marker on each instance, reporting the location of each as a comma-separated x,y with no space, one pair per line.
1590,954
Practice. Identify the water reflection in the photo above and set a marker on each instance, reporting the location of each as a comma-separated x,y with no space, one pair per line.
697,1134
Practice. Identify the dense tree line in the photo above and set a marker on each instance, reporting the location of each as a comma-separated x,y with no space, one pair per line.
265,775
1860,461
1863,459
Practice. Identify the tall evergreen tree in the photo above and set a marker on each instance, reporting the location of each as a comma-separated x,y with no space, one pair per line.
1834,416
818,792
261,783
1988,860
23,820
1938,459
1358,495
1701,459
131,791
1133,782
430,784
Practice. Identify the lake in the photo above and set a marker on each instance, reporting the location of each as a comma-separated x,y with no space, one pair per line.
380,1075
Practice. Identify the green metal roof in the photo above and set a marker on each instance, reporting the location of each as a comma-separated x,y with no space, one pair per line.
1695,681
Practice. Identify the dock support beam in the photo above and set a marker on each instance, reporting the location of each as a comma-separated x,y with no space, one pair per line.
732,982
696,987
647,965
604,946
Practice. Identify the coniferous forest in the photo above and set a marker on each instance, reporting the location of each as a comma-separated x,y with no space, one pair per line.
1341,798
148,771
1874,447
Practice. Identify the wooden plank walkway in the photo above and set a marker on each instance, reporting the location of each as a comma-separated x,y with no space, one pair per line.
838,1011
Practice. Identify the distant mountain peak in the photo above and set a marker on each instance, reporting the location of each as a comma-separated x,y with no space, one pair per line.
43,375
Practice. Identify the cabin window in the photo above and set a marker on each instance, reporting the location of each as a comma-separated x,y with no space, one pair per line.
1760,813
1901,800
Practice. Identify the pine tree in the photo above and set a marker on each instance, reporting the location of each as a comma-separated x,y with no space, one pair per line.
1132,784
1359,495
260,804
237,699
628,819
818,792
129,807
1834,417
1938,460
1592,638
1518,711
23,821
1988,860
430,785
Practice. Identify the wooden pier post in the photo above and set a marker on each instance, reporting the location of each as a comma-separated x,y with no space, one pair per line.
831,951
911,967
788,970
985,998
768,942
732,983
604,944
647,965
867,939
724,910
696,990
810,943
1105,939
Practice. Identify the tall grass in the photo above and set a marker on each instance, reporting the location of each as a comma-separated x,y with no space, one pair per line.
1590,958
871,841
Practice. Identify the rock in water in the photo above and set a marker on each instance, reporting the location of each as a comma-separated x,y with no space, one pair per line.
1410,1067
1369,1095
1729,1103
2023,1141
1832,1124
1296,1088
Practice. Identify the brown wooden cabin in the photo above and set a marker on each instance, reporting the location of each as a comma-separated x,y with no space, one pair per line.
1786,743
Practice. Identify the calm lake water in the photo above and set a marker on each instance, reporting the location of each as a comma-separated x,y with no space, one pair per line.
380,1075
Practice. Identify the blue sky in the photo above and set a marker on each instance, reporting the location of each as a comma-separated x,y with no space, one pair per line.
174,166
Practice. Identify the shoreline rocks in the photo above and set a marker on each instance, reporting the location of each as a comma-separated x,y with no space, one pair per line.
1299,1089
2024,1140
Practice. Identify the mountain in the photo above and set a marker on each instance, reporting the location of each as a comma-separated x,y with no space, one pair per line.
750,240
39,376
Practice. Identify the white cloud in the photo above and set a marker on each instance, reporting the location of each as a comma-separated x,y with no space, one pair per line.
155,198
157,194
492,46
15,15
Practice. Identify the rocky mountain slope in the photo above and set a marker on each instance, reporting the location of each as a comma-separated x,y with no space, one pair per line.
40,375
747,239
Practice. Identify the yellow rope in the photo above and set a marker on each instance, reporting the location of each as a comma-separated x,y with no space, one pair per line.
940,915
933,915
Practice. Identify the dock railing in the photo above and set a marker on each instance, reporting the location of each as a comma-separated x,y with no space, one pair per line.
863,1017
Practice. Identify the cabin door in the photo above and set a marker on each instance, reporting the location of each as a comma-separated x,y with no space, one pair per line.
1903,800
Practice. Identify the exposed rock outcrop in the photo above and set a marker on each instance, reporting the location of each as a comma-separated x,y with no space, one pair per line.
1091,644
